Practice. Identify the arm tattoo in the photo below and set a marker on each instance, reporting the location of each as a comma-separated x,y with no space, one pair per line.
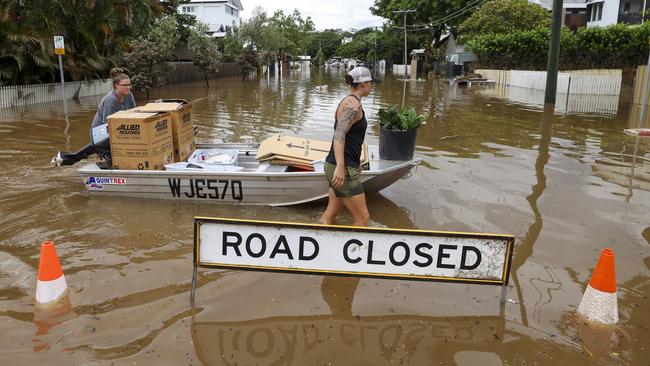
345,123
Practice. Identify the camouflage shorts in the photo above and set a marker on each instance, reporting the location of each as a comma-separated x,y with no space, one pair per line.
351,186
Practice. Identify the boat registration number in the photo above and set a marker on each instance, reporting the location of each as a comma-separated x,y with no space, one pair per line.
216,189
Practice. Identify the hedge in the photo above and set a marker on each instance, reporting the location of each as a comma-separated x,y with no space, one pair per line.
615,46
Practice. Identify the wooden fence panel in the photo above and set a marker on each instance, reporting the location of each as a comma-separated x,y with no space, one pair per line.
184,72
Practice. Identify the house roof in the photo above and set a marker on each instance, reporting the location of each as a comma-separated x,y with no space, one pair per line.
568,4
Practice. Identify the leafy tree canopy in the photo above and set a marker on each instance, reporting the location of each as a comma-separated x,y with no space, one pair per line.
504,16
205,54
431,19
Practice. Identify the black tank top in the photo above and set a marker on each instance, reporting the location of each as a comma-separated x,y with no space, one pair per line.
353,140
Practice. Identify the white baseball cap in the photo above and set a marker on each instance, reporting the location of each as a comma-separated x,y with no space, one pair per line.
360,75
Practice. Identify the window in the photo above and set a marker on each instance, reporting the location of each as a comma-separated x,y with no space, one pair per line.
600,11
626,7
232,11
189,9
596,12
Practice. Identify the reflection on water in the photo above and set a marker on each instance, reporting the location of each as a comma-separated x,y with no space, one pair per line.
602,105
560,181
390,339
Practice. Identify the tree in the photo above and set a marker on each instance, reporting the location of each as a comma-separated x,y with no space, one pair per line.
430,21
248,62
231,46
147,61
504,16
292,31
319,59
328,41
95,33
205,54
184,22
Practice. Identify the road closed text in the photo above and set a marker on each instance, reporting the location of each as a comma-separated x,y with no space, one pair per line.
400,253
365,251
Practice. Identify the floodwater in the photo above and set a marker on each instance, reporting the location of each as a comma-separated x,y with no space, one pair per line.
493,161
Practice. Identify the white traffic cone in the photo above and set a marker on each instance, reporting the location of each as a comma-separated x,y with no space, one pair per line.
51,281
599,302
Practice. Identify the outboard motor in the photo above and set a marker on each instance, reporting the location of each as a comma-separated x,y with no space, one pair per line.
99,144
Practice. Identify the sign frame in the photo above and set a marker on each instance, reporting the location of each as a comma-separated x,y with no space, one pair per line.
59,45
199,221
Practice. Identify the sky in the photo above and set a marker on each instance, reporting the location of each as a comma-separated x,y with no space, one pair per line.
326,14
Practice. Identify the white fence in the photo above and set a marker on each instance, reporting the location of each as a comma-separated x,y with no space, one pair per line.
596,104
399,69
22,95
585,82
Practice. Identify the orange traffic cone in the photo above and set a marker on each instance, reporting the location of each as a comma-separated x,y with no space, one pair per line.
599,301
51,281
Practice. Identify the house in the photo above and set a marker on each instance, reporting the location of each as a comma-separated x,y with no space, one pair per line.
575,11
457,59
598,13
218,15
605,12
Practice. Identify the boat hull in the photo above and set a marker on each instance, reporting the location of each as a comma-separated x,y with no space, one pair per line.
248,187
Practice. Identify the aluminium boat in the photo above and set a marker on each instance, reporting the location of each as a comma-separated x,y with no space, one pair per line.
247,182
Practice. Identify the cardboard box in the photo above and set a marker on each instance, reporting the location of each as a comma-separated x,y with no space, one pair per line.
182,118
141,141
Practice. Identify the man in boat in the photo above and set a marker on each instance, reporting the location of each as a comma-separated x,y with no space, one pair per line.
118,99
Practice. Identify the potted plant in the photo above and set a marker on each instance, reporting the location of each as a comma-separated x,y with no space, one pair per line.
398,129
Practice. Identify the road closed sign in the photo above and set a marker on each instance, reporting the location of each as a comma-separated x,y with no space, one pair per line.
354,251
365,252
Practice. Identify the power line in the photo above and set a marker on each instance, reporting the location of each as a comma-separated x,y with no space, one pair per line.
459,12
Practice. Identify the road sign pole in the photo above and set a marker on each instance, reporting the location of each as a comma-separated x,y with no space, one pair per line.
553,53
59,50
65,102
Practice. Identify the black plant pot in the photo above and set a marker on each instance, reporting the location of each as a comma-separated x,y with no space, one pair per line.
396,145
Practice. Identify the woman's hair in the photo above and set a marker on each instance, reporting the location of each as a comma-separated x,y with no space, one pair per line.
118,75
350,81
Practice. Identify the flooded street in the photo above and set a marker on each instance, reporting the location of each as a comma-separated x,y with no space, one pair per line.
494,161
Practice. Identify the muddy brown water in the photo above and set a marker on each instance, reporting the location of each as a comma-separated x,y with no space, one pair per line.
493,161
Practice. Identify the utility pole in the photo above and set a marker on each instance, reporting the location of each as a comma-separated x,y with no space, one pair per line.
553,53
374,66
404,12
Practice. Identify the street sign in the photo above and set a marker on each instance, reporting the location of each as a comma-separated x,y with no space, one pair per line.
59,45
353,251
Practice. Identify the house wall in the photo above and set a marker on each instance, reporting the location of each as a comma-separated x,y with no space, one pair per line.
216,14
609,13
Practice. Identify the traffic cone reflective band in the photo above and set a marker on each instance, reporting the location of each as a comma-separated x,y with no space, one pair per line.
599,301
51,281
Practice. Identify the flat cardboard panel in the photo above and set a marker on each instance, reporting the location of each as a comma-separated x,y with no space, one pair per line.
293,146
298,149
141,141
159,107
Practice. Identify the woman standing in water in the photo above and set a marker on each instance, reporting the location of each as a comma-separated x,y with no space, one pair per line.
342,165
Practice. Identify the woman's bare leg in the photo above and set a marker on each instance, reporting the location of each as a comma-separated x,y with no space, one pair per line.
357,207
334,207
